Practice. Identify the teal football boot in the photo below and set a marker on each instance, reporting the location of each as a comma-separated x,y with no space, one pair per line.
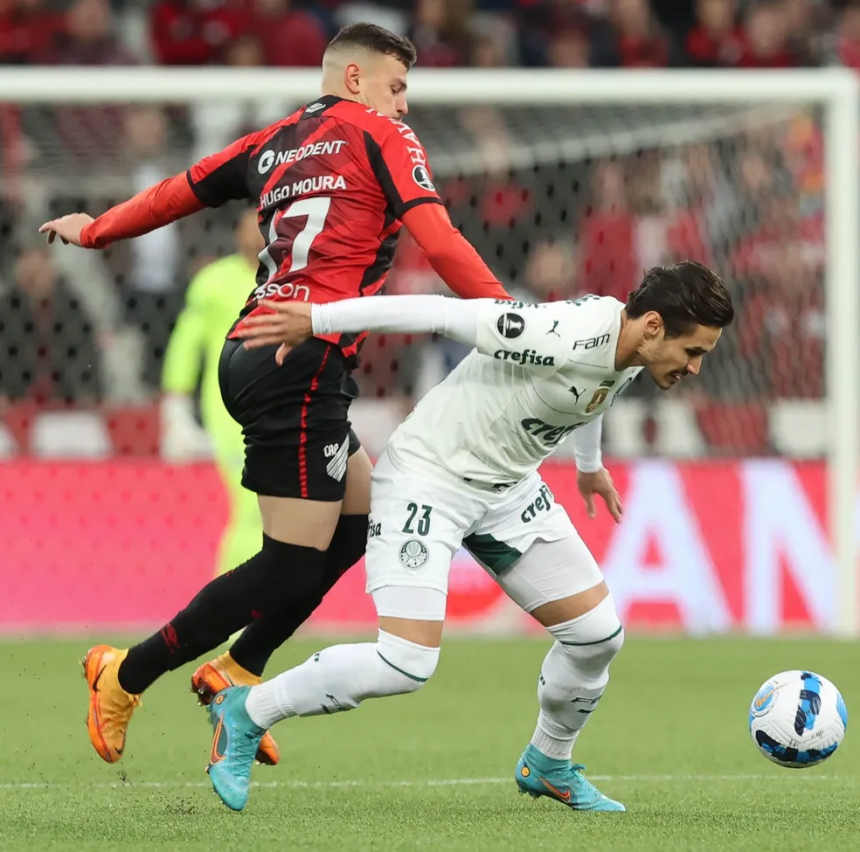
234,746
539,775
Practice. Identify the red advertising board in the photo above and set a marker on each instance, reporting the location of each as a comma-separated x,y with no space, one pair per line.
704,547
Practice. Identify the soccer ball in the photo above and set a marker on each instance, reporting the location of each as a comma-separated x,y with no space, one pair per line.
798,719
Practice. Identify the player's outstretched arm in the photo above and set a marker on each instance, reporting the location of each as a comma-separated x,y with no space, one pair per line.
292,323
400,163
452,257
152,208
210,182
534,337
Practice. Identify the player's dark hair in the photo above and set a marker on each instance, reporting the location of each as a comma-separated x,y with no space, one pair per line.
377,40
685,295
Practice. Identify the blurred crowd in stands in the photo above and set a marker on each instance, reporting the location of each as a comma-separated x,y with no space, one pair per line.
447,33
89,330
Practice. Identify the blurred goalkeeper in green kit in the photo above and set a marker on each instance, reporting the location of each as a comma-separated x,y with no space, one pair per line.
215,296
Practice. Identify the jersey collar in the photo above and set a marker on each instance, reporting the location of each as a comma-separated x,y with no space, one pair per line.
317,107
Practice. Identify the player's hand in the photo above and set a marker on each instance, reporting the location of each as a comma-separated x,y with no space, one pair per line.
599,483
286,323
67,228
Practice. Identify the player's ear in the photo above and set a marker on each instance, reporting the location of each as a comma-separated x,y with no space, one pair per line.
653,324
352,78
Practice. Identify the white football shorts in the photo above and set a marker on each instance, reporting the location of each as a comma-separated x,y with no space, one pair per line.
520,535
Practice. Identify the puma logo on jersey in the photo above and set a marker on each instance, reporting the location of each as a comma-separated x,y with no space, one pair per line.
549,434
553,329
527,356
576,393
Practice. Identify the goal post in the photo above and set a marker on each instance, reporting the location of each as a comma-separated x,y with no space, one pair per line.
843,314
687,105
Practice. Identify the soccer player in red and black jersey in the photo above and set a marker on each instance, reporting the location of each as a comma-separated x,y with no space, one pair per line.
334,183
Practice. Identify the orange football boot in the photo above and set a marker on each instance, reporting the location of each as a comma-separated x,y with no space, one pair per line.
220,673
110,705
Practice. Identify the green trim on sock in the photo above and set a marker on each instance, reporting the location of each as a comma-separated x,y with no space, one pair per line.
598,642
411,677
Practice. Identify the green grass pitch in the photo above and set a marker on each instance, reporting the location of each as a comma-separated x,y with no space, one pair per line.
433,771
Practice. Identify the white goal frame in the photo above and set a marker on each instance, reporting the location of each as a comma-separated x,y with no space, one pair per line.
835,90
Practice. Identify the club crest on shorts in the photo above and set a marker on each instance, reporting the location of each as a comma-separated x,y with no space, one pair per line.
413,554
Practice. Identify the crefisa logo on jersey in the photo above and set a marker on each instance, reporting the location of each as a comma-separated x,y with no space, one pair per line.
527,356
422,177
548,433
511,326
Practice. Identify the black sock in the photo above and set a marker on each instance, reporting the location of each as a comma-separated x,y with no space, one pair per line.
278,574
263,637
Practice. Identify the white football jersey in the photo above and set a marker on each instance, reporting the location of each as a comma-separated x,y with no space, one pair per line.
538,372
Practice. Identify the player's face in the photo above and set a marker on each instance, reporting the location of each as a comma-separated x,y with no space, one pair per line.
670,359
383,86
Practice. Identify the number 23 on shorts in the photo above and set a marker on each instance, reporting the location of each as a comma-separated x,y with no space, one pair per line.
422,527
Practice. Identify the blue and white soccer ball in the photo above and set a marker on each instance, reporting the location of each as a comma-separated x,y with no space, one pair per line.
798,719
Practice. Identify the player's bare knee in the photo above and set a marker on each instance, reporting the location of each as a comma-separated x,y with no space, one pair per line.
591,641
308,523
406,665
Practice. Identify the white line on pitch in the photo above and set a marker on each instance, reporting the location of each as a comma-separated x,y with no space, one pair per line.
444,782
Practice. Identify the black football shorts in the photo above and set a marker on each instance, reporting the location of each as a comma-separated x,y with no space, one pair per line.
295,418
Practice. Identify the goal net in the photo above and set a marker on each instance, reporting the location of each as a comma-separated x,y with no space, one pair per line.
564,186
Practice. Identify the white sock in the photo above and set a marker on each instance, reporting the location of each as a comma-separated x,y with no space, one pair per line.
573,677
340,678
552,739
567,695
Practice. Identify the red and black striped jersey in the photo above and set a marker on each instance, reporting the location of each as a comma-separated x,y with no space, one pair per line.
331,183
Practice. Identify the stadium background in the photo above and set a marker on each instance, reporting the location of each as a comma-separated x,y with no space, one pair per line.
723,482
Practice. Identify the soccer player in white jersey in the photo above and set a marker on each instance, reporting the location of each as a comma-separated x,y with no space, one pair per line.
462,471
